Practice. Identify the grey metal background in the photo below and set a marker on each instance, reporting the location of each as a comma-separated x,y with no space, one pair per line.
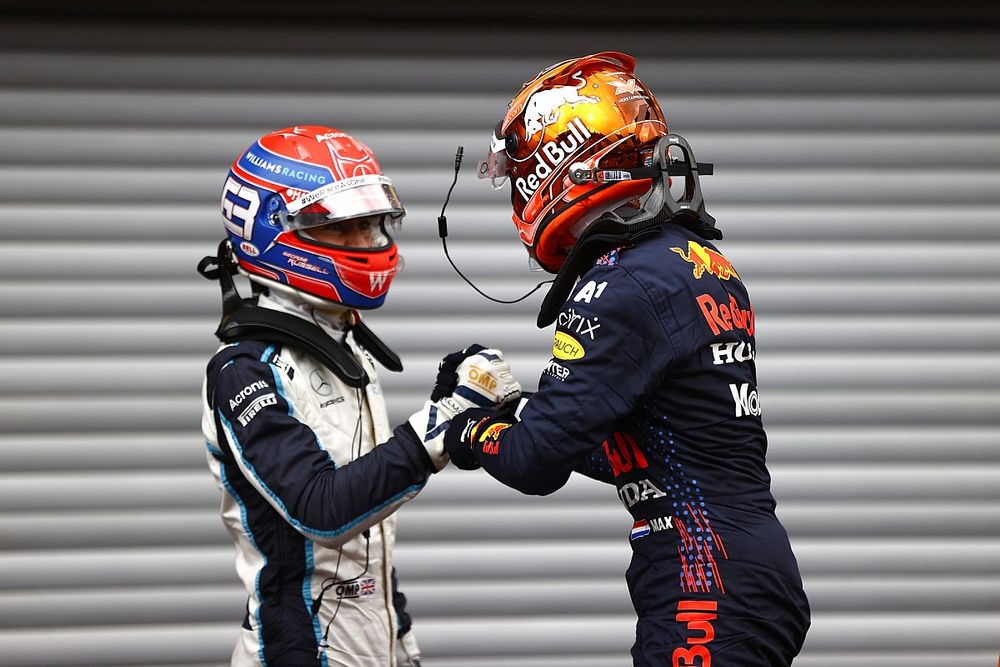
858,184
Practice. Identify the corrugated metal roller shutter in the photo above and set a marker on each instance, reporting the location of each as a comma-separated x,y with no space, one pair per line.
858,185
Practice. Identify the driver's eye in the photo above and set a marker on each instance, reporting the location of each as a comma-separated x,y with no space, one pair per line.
308,219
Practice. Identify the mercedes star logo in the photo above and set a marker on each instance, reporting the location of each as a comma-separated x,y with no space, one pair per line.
319,383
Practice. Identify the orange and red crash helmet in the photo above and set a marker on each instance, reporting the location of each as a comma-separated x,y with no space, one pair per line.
590,113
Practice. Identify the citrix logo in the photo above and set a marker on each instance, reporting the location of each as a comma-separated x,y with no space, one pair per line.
573,321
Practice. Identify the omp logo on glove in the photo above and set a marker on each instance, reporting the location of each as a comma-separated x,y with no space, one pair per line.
483,379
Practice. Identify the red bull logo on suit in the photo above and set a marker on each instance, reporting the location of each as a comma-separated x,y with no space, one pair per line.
707,260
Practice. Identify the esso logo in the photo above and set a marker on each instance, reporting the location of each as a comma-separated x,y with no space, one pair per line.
249,249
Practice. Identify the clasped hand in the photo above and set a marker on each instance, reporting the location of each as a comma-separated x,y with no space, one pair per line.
476,377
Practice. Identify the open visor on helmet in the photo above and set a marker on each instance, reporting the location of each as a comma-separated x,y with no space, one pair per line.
364,233
341,200
495,166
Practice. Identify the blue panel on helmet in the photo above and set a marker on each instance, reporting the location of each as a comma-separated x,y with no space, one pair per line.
264,164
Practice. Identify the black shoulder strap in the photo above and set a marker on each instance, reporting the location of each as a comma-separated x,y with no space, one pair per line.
256,323
242,320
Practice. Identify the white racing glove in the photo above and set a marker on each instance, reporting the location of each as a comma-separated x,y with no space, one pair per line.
475,377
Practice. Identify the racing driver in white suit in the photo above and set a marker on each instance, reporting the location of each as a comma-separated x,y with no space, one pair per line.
294,417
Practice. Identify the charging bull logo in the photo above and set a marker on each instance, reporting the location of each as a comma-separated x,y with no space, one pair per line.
489,439
706,259
542,108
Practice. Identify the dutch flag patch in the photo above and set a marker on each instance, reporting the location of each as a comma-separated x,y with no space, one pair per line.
639,529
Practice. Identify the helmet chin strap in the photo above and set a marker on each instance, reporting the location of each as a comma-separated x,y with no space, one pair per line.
242,320
611,230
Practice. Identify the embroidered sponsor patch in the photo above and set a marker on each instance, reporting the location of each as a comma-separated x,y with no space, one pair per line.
356,589
609,259
556,370
706,260
255,406
579,324
633,493
644,527
247,392
590,291
566,347
639,529
490,438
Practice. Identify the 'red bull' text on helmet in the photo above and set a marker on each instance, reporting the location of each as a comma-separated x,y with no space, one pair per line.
589,114
308,210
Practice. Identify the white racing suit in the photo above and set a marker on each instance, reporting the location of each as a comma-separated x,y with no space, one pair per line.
310,474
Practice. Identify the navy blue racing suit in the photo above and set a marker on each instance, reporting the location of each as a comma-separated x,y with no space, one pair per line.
652,387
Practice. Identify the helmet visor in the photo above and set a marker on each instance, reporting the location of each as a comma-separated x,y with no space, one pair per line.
495,166
354,197
365,233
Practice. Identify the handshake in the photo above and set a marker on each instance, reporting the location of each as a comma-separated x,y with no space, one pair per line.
477,381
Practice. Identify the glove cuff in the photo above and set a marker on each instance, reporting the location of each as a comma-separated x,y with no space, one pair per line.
430,424
458,440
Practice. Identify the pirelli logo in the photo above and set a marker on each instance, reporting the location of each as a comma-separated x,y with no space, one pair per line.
255,407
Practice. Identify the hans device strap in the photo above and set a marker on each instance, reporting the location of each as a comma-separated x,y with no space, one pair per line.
241,320
625,227
376,347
